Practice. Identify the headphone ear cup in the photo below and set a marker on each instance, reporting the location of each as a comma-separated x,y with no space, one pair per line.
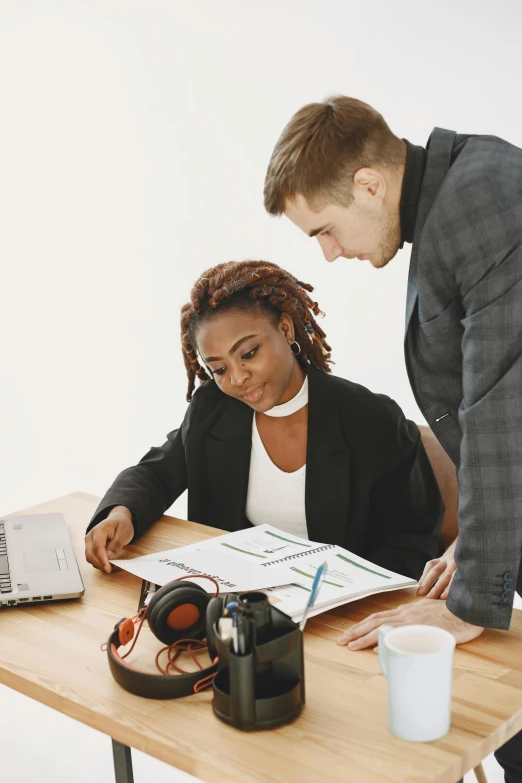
167,589
178,611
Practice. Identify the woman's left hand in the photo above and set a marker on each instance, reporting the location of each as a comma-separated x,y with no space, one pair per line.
436,579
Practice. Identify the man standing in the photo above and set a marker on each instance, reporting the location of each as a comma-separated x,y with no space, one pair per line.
341,175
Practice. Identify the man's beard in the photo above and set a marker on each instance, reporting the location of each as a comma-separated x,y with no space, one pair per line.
390,240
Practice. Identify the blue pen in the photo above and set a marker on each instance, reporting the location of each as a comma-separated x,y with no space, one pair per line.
318,580
232,608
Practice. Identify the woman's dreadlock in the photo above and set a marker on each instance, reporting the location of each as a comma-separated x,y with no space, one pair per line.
256,284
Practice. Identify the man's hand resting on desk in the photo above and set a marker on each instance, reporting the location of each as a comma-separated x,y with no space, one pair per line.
421,612
436,580
108,537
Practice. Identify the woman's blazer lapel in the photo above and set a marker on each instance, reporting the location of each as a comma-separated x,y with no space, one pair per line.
228,446
327,464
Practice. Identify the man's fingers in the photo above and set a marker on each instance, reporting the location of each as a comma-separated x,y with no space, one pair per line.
427,568
371,639
446,591
438,588
369,624
441,585
428,581
434,572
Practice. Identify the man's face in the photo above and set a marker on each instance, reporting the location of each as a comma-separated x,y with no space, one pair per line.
368,229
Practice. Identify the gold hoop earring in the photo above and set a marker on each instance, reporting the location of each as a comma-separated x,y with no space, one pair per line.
295,351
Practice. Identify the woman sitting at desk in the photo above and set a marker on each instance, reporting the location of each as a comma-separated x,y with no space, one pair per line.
271,436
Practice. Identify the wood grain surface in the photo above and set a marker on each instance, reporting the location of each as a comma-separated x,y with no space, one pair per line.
52,653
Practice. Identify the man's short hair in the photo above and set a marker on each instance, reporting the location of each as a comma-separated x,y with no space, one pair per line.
322,147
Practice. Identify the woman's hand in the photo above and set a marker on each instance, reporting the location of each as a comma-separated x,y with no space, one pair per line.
107,538
436,579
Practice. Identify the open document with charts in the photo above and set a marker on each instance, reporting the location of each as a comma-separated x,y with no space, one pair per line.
265,557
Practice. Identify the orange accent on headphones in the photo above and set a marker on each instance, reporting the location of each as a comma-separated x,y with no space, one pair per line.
125,631
183,617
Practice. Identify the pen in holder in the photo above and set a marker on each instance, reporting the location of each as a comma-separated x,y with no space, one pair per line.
260,679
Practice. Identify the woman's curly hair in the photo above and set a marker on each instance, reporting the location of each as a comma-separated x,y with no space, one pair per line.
248,285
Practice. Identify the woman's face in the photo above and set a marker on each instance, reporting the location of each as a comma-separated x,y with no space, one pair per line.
249,357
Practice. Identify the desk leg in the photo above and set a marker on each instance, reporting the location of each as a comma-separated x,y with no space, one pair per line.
122,763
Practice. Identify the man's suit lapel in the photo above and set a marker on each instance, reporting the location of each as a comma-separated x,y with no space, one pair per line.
228,445
327,465
440,148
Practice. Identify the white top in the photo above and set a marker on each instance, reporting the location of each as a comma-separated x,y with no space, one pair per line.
276,497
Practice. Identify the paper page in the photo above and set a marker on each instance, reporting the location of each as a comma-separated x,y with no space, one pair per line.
279,596
266,557
231,573
262,543
348,577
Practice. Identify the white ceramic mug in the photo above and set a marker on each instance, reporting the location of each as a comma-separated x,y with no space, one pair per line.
417,661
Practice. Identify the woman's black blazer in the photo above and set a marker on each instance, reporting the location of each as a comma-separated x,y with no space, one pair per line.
369,484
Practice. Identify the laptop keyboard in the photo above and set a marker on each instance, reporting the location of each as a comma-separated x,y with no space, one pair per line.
5,576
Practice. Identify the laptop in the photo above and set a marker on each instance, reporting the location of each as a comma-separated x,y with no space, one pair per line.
37,561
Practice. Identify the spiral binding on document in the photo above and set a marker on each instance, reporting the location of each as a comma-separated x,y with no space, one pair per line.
302,553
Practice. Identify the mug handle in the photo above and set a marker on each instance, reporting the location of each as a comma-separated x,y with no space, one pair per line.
383,630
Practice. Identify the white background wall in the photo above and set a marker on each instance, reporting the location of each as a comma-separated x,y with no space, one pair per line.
134,139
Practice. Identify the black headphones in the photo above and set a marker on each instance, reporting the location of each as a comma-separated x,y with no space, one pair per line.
178,613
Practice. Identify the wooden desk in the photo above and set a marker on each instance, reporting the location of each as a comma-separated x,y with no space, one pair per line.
52,653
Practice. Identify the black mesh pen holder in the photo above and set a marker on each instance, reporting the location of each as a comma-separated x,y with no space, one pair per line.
263,687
